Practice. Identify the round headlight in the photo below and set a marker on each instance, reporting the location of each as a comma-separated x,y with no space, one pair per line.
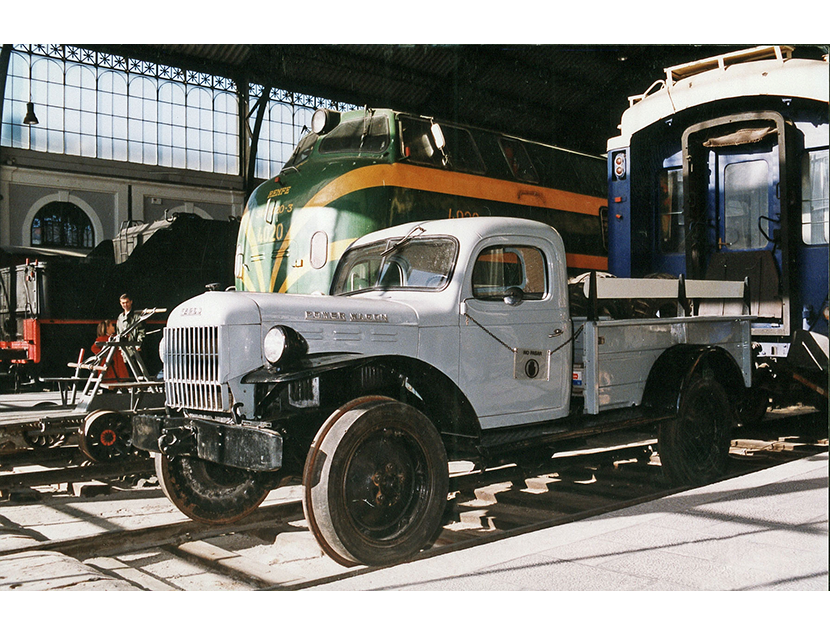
275,344
323,120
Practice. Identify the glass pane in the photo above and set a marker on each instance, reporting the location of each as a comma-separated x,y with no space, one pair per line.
518,160
360,135
500,268
746,200
419,264
119,150
672,229
815,215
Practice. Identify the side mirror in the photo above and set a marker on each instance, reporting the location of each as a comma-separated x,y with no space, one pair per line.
513,296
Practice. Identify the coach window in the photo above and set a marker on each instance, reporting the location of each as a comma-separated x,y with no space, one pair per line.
497,269
61,224
672,230
815,211
518,160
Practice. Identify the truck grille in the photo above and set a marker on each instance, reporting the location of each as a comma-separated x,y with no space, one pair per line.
191,368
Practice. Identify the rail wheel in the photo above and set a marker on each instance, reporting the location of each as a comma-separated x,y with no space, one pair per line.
376,482
694,446
208,492
105,436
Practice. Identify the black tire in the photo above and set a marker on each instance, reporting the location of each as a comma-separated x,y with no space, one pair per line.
694,446
208,492
105,436
752,406
376,482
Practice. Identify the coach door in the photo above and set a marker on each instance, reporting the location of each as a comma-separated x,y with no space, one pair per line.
736,208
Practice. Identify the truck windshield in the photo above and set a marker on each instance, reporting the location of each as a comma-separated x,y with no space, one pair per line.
419,264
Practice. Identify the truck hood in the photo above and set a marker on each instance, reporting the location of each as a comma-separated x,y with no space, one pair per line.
237,308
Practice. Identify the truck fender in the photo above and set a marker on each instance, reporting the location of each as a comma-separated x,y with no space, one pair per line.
676,368
430,390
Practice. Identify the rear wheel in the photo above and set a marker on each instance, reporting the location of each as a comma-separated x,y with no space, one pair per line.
376,482
694,446
209,492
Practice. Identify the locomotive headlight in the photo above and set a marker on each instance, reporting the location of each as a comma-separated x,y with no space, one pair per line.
283,344
323,120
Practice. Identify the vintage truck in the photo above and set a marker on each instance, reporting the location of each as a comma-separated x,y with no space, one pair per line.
443,340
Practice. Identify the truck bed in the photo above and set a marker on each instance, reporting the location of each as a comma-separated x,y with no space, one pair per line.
614,357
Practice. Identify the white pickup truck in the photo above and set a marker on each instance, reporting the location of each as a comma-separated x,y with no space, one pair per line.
443,340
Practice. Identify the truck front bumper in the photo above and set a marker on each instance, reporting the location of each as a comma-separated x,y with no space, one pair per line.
243,446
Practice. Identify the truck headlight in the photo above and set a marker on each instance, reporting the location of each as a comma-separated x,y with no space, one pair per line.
283,344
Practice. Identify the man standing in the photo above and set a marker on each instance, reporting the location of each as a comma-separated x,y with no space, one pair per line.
127,319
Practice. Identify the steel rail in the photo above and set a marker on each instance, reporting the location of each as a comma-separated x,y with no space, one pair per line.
189,540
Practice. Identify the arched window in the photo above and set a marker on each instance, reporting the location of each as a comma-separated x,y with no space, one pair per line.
60,224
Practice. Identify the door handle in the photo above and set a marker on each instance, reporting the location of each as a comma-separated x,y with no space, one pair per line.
556,333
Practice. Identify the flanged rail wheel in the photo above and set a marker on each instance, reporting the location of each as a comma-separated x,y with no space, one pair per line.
105,436
376,482
694,446
208,492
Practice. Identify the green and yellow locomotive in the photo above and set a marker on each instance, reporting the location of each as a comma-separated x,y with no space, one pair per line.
364,170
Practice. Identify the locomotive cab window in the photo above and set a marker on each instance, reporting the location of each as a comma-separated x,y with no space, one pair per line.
302,151
518,160
366,134
498,269
458,151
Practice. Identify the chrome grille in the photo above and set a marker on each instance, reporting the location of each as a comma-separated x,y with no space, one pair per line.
191,368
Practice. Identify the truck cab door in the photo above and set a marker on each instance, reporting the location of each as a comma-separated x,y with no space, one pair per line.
515,364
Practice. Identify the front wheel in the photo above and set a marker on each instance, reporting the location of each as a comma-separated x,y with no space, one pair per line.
694,445
208,492
376,482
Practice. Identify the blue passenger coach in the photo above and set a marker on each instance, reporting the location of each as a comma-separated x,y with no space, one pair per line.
721,172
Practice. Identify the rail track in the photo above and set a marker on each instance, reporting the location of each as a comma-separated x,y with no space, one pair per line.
133,533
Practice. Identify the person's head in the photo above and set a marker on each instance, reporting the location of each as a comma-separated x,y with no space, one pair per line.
126,303
102,329
111,328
